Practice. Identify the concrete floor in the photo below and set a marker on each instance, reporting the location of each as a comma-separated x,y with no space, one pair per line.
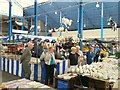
8,77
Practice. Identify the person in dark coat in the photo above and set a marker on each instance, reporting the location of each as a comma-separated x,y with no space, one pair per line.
97,53
38,49
25,60
73,57
90,55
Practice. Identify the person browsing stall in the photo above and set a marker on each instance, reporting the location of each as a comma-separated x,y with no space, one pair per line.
25,60
49,64
97,53
90,55
81,58
42,61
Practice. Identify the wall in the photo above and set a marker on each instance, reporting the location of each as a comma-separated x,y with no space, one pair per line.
4,28
4,25
42,27
108,33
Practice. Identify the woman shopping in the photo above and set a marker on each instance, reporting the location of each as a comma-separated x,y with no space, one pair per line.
49,58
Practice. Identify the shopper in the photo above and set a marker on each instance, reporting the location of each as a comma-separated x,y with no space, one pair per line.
78,51
49,64
73,56
97,53
90,55
38,50
42,63
66,54
81,58
25,60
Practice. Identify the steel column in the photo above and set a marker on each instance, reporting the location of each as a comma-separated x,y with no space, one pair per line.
10,19
46,25
22,18
60,22
102,22
36,17
80,23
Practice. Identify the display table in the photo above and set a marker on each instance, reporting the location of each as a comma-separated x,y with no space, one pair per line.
24,83
84,81
96,83
14,67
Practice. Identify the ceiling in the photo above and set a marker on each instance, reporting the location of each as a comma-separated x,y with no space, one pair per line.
69,10
17,6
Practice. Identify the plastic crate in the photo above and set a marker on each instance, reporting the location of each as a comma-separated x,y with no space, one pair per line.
62,85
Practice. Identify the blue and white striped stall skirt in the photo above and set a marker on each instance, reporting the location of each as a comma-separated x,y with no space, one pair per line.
14,67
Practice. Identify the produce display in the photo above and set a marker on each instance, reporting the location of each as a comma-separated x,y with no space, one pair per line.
11,56
117,54
111,60
102,70
23,83
106,70
67,76
12,50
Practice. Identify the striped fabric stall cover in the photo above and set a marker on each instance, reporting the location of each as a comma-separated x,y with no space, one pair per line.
61,67
1,63
14,67
35,72
16,37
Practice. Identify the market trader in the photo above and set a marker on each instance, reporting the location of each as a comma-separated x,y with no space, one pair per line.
73,57
25,60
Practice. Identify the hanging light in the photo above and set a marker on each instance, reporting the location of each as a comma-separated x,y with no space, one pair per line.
84,25
97,5
55,12
108,23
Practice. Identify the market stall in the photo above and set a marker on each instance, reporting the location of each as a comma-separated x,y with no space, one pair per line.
101,75
80,81
10,60
14,67
96,75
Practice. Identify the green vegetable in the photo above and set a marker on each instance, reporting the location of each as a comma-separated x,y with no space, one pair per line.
117,54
